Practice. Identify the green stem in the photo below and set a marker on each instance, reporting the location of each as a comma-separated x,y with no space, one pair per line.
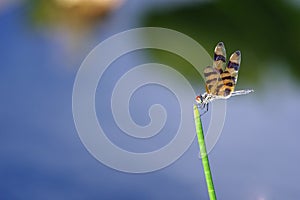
204,156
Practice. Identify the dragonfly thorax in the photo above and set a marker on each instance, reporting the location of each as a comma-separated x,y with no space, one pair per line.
204,99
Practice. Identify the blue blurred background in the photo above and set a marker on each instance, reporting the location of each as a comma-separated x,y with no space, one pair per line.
42,46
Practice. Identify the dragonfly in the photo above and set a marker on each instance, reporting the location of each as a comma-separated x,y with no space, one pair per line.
220,80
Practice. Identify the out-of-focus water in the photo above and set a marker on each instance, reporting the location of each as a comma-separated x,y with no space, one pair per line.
42,157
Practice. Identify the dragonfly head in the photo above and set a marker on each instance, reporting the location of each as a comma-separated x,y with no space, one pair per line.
199,99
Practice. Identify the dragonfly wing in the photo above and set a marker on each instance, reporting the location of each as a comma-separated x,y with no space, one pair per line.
212,77
234,65
228,77
219,57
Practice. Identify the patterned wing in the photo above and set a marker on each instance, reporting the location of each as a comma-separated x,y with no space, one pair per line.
220,57
228,77
212,76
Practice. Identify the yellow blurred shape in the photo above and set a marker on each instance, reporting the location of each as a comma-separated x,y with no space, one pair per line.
89,8
104,4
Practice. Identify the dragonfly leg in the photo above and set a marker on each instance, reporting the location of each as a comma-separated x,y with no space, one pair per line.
205,105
